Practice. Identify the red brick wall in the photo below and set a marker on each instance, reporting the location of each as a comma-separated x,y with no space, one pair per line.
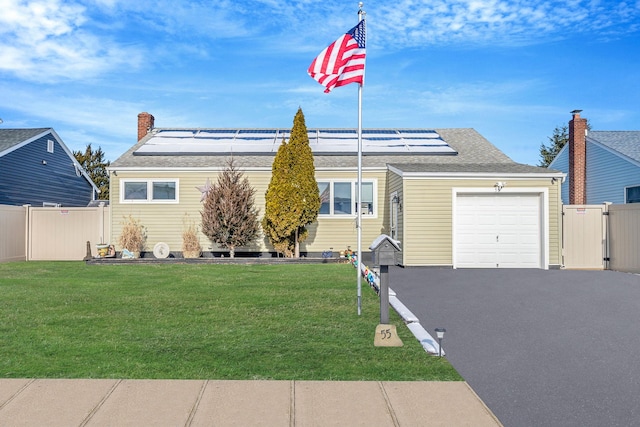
577,160
145,124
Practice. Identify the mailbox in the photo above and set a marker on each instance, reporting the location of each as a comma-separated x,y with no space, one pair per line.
384,250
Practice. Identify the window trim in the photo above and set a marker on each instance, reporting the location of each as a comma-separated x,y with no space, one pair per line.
353,182
149,199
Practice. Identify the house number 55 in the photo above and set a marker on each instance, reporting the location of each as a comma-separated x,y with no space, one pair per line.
386,334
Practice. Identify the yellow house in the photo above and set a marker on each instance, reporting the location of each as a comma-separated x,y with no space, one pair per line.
448,195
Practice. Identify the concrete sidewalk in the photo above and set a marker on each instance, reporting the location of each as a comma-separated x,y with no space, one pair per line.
63,402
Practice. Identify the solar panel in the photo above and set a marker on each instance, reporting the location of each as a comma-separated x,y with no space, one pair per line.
267,141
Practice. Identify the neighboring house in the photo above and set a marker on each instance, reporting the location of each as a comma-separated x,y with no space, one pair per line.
37,168
601,166
450,197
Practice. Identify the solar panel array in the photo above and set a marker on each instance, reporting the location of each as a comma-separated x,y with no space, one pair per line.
266,142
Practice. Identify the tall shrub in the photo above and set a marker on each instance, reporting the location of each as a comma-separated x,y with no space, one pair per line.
292,199
278,223
229,217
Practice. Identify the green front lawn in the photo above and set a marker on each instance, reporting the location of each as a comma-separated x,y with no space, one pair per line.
198,321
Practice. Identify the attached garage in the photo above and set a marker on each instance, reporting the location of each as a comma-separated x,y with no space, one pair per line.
495,215
498,230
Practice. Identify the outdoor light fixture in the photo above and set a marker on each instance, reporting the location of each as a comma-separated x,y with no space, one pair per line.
440,335
499,185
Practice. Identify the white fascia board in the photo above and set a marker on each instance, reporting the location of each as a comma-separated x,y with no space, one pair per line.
25,142
476,175
184,169
198,169
352,169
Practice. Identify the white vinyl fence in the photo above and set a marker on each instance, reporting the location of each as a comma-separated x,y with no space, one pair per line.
624,237
602,236
13,234
51,234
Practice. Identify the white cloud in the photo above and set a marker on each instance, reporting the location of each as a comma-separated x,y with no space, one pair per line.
45,41
508,22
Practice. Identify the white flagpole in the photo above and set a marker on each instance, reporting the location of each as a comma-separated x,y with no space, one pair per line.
361,14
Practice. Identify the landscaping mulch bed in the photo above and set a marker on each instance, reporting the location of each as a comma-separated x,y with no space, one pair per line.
217,260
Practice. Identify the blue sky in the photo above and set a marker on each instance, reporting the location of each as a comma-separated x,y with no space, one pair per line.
511,69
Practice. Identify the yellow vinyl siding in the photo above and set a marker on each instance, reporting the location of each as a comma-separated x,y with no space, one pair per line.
165,222
424,221
428,218
427,222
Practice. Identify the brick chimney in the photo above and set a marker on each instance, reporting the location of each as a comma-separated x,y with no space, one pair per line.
145,124
577,159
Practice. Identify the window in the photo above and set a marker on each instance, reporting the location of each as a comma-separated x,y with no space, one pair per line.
149,191
49,146
632,194
338,198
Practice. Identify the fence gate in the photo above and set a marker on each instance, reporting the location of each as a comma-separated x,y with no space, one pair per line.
584,237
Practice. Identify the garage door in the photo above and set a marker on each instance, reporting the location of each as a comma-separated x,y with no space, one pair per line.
498,231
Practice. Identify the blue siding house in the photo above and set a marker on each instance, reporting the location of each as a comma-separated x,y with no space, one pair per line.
611,166
38,169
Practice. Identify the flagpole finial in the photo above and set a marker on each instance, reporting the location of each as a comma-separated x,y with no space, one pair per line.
361,13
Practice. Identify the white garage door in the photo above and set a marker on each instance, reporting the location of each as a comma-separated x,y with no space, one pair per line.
498,231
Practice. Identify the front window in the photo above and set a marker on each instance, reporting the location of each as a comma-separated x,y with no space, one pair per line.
149,191
342,198
325,197
367,198
338,198
135,191
164,190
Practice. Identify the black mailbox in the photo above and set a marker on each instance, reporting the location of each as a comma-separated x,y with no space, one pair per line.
384,250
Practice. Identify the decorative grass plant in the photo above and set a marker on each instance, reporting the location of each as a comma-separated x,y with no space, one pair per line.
190,243
133,236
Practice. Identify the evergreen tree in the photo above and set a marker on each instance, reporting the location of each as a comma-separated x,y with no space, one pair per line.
229,217
96,167
558,140
292,198
278,222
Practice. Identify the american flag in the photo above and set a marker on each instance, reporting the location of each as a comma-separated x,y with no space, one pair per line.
343,61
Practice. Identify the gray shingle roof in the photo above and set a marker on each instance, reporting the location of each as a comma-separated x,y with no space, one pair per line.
12,137
472,148
626,143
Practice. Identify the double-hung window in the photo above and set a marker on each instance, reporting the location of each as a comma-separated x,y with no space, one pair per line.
338,198
149,191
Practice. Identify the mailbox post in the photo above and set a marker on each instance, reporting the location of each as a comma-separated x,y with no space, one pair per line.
384,250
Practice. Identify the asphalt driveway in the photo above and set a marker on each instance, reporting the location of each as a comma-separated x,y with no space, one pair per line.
540,348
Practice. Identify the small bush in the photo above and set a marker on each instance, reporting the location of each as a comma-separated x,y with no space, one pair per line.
190,243
133,236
